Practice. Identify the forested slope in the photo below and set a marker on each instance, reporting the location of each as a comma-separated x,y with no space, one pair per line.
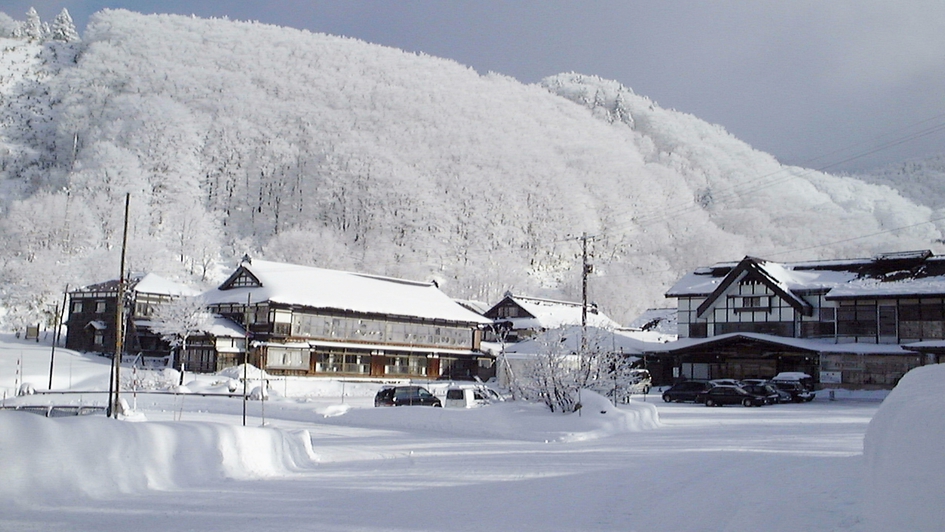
236,137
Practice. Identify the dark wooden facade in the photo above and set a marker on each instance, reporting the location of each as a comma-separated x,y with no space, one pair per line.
889,300
297,339
92,318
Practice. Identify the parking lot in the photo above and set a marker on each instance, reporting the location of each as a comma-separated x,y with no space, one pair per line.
780,467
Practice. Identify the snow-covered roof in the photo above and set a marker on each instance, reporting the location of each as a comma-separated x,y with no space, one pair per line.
318,288
479,307
216,326
892,274
155,284
651,336
814,346
150,283
660,320
221,327
877,288
927,345
552,314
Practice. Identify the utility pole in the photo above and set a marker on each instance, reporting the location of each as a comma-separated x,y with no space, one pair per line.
120,318
246,352
58,321
586,269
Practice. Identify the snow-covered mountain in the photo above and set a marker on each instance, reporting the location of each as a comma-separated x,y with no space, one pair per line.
919,180
235,137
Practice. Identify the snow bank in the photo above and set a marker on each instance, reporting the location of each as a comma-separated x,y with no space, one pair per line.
96,456
904,456
514,420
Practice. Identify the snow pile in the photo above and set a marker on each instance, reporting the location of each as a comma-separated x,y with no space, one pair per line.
903,452
251,372
94,456
514,420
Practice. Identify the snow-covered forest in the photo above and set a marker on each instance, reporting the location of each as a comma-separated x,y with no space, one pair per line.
236,137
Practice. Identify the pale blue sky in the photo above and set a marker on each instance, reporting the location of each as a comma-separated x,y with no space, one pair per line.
798,79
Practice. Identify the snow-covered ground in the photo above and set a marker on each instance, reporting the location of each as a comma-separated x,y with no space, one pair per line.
327,460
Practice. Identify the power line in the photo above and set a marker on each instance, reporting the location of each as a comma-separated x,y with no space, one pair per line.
887,231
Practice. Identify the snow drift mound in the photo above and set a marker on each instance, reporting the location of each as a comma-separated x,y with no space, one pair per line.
94,456
903,451
513,420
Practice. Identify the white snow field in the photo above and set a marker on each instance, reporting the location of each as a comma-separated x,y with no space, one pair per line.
327,461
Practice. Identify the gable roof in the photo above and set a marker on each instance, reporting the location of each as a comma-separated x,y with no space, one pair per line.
900,274
773,275
550,313
306,286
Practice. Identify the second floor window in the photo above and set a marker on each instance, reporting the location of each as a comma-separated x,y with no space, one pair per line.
752,303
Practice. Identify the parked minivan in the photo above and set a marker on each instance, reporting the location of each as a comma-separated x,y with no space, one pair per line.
405,396
799,385
685,391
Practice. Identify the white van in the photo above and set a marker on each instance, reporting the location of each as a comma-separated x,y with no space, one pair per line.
468,397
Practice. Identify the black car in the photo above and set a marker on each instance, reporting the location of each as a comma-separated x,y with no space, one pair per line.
405,396
799,393
685,391
770,393
729,395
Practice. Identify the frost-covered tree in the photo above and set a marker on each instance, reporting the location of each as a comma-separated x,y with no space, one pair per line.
552,377
570,359
63,29
312,245
32,29
8,26
336,152
179,319
615,376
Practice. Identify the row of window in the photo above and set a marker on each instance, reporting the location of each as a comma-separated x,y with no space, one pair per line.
143,308
341,363
326,327
346,363
78,305
883,325
509,311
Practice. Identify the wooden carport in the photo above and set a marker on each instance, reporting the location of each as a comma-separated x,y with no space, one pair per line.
732,356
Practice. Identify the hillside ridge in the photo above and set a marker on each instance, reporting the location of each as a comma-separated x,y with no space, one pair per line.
235,137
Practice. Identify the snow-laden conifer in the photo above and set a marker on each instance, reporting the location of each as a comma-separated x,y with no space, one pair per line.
33,28
63,29
8,26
